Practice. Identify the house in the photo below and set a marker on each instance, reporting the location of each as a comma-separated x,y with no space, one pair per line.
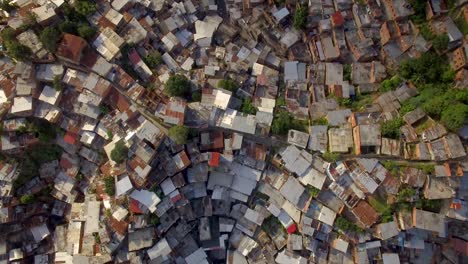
47,72
414,116
459,58
429,221
216,98
30,39
140,238
436,188
50,95
398,9
294,71
22,106
435,9
108,43
340,139
318,140
367,139
387,230
298,138
175,111
366,215
211,140
45,14
70,48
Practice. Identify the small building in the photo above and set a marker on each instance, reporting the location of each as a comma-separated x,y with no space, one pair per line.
367,139
50,95
429,221
340,139
318,140
70,48
366,215
175,111
22,106
141,238
298,138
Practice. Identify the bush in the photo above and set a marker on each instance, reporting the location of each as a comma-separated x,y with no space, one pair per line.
85,7
405,194
18,51
27,199
300,17
281,123
120,152
419,7
331,156
153,59
390,84
426,32
247,107
314,192
50,37
87,32
440,43
68,26
179,134
196,96
57,83
391,128
280,102
454,116
177,85
347,69
322,121
345,225
109,184
228,84
426,69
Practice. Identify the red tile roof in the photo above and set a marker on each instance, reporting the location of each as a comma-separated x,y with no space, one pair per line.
365,213
71,47
135,207
214,159
70,138
291,229
337,18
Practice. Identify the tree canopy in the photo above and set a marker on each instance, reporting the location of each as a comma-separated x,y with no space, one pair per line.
179,134
27,199
281,123
248,107
177,85
300,17
391,128
440,42
153,59
228,84
14,49
57,83
50,37
119,153
109,185
85,7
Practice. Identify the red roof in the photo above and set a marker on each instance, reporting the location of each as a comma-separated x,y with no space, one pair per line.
134,57
135,207
70,138
460,246
337,19
71,47
214,159
291,229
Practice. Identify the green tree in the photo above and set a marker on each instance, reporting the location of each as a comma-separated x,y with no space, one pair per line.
18,51
426,32
228,84
57,83
177,85
87,32
419,7
109,185
391,128
153,59
455,116
50,37
322,121
347,69
300,17
331,156
440,42
196,96
85,7
280,101
247,107
119,153
27,199
8,34
390,84
67,26
281,123
179,134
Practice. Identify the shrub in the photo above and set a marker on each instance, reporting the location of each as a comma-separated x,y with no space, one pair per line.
331,156
177,85
50,37
57,83
27,199
247,107
281,123
391,128
179,134
119,153
228,84
85,7
87,32
196,96
153,59
440,42
300,17
109,185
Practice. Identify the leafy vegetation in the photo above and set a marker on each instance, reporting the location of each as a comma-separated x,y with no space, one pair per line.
405,194
347,69
228,84
283,122
14,49
177,85
57,83
50,37
322,121
153,59
280,101
390,84
391,128
8,6
271,225
440,42
27,199
196,96
85,31
383,208
426,32
345,225
331,156
419,7
300,17
248,107
154,219
109,185
179,134
85,7
314,192
120,152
